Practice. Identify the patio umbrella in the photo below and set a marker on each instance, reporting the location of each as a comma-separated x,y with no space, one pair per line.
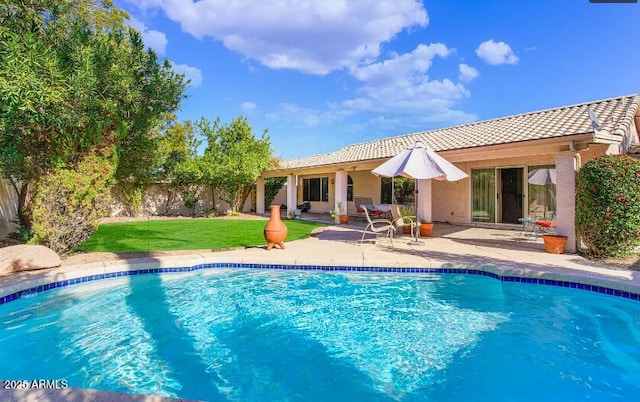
542,176
419,162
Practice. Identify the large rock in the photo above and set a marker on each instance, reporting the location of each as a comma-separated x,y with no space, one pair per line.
26,257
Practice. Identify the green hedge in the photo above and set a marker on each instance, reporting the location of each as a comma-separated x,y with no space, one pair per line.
608,206
68,203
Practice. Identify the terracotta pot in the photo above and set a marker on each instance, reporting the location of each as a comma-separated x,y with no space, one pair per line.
344,219
554,244
406,229
275,231
426,229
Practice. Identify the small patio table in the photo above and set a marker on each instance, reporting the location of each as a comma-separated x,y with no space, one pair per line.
528,227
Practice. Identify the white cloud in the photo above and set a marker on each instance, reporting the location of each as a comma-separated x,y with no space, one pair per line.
193,74
301,117
467,73
313,36
156,40
394,91
401,85
248,107
495,53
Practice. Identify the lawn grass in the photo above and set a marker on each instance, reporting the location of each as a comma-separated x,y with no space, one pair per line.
187,234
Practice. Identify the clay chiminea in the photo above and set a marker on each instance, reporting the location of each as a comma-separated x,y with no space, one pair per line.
275,232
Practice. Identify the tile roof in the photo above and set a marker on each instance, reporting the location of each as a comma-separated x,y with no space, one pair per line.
615,116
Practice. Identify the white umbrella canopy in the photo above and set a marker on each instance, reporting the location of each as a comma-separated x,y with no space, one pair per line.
542,176
419,162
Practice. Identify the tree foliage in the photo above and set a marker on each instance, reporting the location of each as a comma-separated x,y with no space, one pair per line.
272,186
608,206
180,167
75,81
68,203
233,158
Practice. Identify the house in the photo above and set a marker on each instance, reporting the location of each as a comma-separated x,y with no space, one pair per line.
498,155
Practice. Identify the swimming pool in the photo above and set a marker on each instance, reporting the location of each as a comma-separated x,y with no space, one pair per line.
247,334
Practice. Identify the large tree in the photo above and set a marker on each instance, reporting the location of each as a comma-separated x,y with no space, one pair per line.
234,158
180,167
75,81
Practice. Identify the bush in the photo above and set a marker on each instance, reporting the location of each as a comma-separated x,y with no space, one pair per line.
68,203
608,206
190,199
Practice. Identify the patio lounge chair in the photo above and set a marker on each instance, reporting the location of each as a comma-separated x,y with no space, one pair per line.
305,206
400,221
376,226
367,203
548,227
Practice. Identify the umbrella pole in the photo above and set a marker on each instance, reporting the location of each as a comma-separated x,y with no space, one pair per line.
417,241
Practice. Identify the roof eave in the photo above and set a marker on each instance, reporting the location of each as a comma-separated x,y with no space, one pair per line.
605,137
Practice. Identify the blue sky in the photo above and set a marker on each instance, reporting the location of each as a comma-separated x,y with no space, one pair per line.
322,74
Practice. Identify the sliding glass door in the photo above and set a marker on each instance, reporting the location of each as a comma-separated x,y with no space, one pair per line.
511,194
483,192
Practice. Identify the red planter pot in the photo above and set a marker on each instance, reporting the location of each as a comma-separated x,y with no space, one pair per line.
426,229
554,244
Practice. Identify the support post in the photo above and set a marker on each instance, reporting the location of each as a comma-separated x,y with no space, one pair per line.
423,209
292,194
260,195
340,194
566,168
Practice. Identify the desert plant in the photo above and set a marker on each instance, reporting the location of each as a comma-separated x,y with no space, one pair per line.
337,212
608,206
68,203
406,211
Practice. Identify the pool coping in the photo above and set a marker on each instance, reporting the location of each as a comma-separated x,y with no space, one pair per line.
15,286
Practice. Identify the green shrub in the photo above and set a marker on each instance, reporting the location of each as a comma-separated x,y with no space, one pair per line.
190,199
68,203
608,206
132,197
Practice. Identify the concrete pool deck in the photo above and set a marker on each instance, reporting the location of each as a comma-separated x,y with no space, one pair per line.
504,252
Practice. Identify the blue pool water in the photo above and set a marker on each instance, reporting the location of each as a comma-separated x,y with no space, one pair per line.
258,335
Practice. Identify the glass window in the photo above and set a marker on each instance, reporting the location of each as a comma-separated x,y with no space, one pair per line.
402,193
349,188
483,182
542,191
316,189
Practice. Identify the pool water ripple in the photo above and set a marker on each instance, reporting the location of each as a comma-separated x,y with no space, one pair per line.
241,334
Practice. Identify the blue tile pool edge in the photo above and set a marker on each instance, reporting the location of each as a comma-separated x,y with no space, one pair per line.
470,271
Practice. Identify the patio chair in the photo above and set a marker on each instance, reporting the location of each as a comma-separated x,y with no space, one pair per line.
305,206
548,227
366,203
400,221
376,226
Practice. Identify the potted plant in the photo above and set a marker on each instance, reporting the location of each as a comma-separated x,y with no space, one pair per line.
554,243
344,218
406,212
